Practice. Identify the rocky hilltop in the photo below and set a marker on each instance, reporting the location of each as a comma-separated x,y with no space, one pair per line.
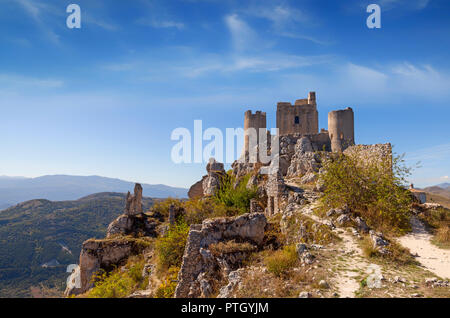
294,233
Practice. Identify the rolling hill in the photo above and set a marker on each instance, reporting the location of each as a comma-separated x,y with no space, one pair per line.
39,238
14,190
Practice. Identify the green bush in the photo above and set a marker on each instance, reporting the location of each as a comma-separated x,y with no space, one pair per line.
281,261
375,190
118,283
164,205
238,197
170,247
198,210
169,284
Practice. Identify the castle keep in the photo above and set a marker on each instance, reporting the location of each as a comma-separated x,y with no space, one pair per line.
302,119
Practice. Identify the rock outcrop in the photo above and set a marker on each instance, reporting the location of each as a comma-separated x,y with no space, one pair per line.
304,161
196,190
105,255
134,202
199,263
212,181
138,225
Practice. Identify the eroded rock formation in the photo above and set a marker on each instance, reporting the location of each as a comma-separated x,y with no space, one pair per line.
134,202
198,261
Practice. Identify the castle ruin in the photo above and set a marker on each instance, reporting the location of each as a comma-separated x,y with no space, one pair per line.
302,119
297,123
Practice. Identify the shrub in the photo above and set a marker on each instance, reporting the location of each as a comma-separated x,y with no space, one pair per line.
397,254
164,205
281,261
170,247
238,197
198,210
118,283
438,220
373,189
169,284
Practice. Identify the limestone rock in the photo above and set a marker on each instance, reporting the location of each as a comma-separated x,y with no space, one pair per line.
212,181
134,225
198,261
379,242
305,295
104,254
196,190
134,202
343,219
361,225
323,284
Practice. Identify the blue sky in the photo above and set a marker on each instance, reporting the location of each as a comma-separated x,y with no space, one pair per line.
104,99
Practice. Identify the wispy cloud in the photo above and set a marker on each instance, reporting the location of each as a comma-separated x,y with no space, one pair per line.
44,15
436,153
243,37
286,21
12,81
160,24
35,10
406,4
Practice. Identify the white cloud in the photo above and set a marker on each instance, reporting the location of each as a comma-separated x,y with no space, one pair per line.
42,12
286,21
407,4
249,63
19,82
242,35
160,24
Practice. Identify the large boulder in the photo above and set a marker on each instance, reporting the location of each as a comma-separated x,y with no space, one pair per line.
196,190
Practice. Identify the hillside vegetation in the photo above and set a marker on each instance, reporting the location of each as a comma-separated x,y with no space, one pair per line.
42,232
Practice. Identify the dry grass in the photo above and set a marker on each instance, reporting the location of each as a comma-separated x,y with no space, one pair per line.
438,222
281,261
231,247
398,255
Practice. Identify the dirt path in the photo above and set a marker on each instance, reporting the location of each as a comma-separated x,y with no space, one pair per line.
351,266
435,259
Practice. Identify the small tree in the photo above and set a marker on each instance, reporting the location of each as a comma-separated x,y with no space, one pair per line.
375,189
238,197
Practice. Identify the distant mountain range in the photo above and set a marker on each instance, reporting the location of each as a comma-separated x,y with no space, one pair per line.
439,193
39,238
445,185
14,190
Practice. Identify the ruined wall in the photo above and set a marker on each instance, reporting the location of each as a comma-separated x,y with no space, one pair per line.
257,121
368,154
300,118
341,129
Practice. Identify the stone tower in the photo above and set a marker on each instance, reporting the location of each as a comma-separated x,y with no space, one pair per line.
341,129
256,121
300,118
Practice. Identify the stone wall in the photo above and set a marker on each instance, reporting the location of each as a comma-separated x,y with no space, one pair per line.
371,153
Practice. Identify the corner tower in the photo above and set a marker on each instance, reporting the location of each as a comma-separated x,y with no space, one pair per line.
341,129
256,121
